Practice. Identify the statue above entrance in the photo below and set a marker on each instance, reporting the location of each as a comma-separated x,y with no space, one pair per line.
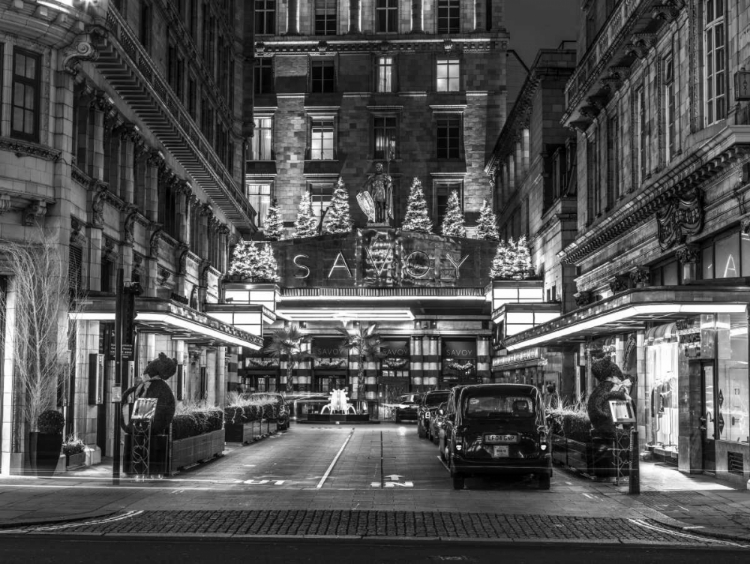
375,198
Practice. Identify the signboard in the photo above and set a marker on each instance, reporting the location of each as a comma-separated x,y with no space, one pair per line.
127,351
116,394
622,411
460,349
396,349
329,348
144,409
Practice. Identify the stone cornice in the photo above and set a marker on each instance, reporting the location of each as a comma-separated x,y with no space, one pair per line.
28,149
696,167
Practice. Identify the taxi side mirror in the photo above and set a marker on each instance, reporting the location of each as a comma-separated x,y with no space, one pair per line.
441,412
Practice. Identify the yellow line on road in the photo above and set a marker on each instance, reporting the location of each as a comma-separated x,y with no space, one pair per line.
325,476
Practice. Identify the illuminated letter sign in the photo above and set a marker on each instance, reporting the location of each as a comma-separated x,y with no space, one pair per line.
298,265
378,265
336,265
456,265
416,267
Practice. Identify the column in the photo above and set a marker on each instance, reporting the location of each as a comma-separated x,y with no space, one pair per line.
354,16
303,371
221,376
640,393
96,165
211,377
232,365
292,26
11,435
688,255
151,201
127,185
180,353
483,359
417,16
95,259
415,364
431,358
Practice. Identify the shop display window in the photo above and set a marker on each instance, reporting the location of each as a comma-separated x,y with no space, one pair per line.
726,257
733,386
661,385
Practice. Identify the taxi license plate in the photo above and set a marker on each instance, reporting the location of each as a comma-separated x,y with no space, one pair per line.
500,451
500,439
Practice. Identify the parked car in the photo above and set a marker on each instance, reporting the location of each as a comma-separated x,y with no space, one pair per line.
284,408
437,421
495,429
441,414
427,408
406,408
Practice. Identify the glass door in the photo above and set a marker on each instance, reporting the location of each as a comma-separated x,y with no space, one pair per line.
709,413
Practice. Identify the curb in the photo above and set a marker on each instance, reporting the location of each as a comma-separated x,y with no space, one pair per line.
56,520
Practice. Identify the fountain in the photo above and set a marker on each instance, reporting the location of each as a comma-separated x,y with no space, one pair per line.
338,410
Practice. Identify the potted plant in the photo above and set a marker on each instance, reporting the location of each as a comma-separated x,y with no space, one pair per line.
45,445
74,450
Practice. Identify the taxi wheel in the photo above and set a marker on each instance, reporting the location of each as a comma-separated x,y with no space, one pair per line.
544,482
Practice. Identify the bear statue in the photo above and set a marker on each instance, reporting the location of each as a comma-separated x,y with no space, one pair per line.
154,385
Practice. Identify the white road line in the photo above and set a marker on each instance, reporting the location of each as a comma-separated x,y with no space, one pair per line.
325,476
443,463
645,525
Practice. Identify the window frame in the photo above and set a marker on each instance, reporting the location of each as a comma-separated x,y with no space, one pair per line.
264,199
710,245
448,155
263,76
325,16
639,132
322,123
714,103
257,152
447,83
321,65
36,84
393,128
325,187
385,63
268,20
386,12
448,11
442,187
145,24
670,110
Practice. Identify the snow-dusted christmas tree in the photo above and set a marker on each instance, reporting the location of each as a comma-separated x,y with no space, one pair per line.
416,220
305,225
453,222
487,224
253,264
522,260
338,219
273,225
502,264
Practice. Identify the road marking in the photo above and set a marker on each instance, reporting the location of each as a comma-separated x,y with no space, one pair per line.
443,463
394,477
402,485
263,482
649,526
325,476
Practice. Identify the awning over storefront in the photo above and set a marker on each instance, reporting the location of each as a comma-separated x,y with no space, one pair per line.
528,357
633,310
661,333
157,315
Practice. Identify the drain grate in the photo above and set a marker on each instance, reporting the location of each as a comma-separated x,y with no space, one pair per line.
735,463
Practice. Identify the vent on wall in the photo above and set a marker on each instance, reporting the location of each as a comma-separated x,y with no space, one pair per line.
735,464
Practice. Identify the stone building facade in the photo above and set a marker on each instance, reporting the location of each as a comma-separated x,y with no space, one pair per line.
660,106
126,145
419,85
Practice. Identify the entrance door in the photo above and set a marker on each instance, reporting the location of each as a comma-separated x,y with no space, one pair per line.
328,383
709,413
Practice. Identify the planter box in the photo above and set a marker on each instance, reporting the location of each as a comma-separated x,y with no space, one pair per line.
185,452
242,432
75,460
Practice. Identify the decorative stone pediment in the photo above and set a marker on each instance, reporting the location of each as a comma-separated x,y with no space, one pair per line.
640,277
619,283
584,298
688,254
679,217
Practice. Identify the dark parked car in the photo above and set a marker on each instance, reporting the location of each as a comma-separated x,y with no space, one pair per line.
406,408
427,409
283,407
496,429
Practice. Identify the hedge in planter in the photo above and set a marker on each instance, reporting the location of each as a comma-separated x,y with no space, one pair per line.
45,446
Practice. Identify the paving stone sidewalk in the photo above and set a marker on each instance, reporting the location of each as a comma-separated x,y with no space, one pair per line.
379,524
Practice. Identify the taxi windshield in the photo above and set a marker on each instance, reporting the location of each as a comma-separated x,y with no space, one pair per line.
498,405
436,399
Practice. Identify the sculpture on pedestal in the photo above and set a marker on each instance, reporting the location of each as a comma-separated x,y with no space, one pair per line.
375,198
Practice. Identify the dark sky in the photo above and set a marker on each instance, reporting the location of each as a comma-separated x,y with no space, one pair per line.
540,24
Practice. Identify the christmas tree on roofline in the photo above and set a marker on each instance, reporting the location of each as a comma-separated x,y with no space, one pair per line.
254,264
417,220
338,218
273,224
305,225
453,222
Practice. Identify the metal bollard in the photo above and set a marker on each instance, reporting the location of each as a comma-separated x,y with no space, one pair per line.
634,484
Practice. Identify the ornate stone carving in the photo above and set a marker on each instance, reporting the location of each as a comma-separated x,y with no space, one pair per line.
641,44
128,225
82,49
162,276
5,203
688,254
668,10
181,251
77,234
156,158
137,263
682,215
584,298
35,209
619,283
101,192
745,225
640,277
27,149
109,251
155,240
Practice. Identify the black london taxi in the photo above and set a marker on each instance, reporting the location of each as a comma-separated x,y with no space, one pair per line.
427,408
496,429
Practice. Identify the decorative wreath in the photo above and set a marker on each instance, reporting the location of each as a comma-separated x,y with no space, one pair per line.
465,367
330,362
395,362
263,362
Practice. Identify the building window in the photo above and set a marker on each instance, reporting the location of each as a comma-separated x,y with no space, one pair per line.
613,159
727,256
265,17
385,74
323,76
259,196
108,268
167,210
449,16
207,120
144,31
385,137
640,134
449,137
448,71
262,140
670,109
386,15
192,101
321,140
442,194
321,195
715,69
325,17
558,173
591,184
668,274
26,88
263,76
75,270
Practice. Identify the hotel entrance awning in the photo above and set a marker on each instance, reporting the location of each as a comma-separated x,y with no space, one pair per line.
633,310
